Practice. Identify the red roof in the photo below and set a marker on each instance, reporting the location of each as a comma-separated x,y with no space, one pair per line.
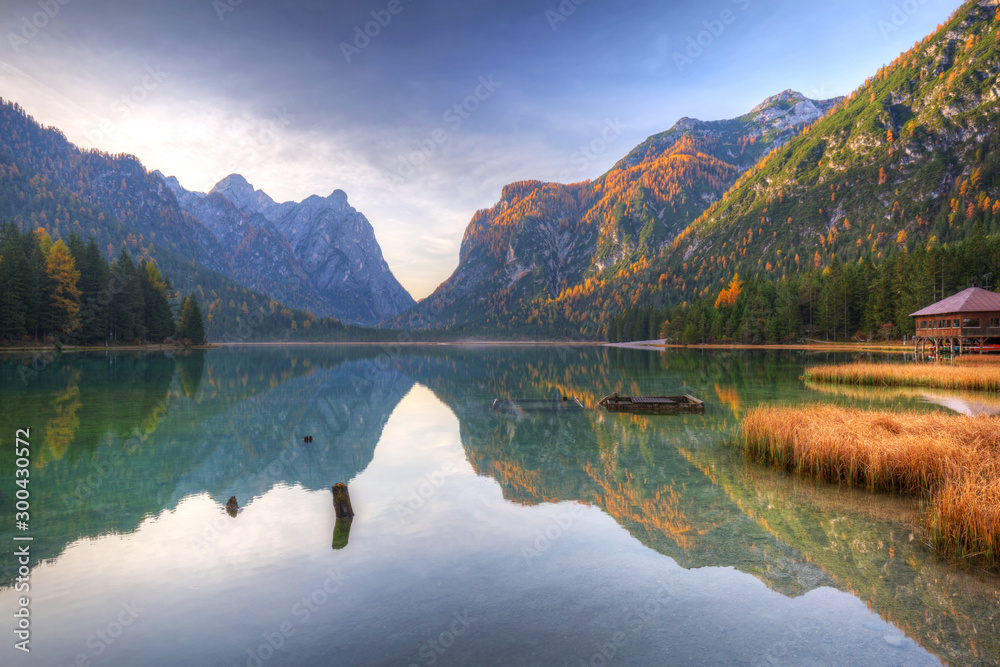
972,300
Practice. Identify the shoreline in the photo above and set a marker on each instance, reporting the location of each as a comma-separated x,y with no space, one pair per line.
900,348
642,345
98,348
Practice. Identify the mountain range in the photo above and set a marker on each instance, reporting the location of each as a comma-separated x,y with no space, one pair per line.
905,161
321,250
318,257
543,240
904,164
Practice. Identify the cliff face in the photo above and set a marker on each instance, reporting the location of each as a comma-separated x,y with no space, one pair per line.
320,254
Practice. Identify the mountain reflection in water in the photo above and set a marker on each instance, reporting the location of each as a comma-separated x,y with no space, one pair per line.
129,441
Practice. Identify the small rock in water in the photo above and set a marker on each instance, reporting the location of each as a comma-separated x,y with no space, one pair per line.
894,640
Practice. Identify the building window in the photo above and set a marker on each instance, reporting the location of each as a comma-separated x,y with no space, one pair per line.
954,323
995,322
923,325
971,323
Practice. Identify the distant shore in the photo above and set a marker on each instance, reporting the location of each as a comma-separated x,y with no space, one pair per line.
101,348
814,346
210,346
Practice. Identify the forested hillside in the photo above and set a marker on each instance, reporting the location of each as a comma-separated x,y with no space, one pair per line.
891,196
545,242
46,182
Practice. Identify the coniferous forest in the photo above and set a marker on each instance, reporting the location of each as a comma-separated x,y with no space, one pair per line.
68,293
844,301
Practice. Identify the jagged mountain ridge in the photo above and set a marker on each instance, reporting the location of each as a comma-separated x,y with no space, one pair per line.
204,243
544,240
908,160
321,244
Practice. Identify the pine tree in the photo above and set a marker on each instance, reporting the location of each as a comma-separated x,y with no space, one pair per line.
190,326
95,293
38,320
12,269
157,316
126,300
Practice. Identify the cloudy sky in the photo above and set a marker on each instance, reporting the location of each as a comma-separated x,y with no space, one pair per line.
421,110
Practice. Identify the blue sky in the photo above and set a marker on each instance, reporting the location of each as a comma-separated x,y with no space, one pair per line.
422,110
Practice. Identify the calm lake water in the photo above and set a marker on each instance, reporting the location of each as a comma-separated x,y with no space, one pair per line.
530,536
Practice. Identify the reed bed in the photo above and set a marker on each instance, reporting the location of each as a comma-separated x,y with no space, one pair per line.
951,460
984,376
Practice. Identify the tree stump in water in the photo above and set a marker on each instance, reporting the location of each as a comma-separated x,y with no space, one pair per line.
341,533
342,501
232,506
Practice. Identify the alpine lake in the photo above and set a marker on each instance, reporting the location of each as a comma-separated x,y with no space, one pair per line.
548,534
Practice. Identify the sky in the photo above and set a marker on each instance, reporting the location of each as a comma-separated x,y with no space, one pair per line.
423,110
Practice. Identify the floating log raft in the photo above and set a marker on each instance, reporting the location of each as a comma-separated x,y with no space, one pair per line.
521,406
652,404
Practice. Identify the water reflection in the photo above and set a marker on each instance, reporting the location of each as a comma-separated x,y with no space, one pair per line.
962,402
452,496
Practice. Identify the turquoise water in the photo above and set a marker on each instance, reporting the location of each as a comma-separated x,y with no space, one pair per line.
524,537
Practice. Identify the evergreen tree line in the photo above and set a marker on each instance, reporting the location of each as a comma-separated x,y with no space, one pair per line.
70,293
842,301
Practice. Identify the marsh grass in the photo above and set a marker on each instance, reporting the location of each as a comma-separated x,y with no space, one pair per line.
970,375
951,460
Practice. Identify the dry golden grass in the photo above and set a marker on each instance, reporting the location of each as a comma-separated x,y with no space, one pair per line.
952,460
984,376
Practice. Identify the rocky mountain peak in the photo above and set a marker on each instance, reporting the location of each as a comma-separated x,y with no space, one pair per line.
787,95
236,189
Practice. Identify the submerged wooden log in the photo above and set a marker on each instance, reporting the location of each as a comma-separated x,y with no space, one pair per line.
342,501
232,506
341,533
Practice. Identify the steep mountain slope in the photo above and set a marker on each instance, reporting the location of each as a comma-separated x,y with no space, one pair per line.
910,159
322,246
543,240
47,182
257,255
236,261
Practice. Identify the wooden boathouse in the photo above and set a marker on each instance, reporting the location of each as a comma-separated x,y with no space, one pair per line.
965,322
